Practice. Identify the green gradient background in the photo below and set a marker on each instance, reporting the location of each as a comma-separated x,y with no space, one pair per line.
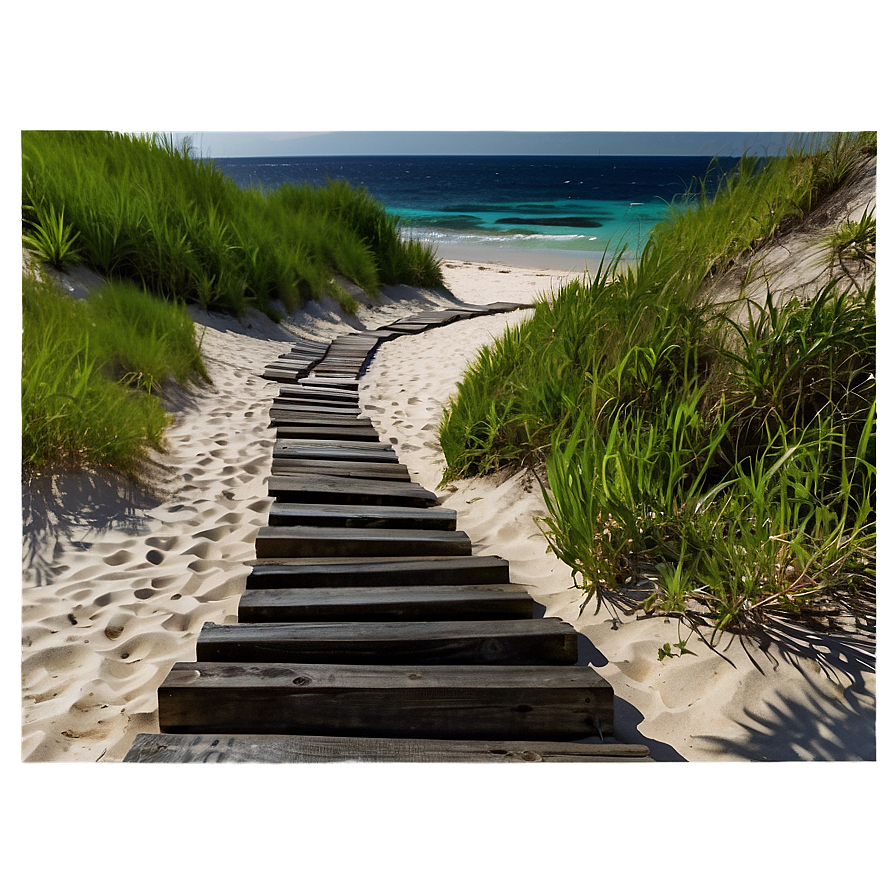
788,828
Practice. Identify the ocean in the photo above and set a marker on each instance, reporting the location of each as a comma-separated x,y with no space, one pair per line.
562,212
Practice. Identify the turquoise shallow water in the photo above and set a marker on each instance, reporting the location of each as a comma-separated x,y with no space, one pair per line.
510,209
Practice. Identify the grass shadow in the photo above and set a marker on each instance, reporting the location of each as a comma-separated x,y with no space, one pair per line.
60,508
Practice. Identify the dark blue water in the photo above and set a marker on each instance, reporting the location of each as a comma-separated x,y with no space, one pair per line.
505,208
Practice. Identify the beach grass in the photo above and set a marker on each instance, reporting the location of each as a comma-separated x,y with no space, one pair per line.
727,454
93,371
141,208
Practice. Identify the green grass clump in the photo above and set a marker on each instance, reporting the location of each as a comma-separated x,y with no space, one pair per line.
726,454
144,209
92,371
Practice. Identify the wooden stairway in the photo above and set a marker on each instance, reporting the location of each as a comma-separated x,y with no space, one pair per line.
368,631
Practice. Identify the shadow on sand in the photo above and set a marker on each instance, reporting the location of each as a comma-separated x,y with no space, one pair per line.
67,508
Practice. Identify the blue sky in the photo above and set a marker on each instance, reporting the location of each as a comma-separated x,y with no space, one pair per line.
223,144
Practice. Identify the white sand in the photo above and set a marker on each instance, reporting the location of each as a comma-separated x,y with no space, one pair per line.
117,583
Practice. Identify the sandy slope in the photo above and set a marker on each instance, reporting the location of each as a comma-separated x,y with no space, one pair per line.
798,698
118,581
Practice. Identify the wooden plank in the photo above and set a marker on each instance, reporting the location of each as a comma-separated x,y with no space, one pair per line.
453,702
319,431
382,449
319,392
279,376
378,571
349,403
506,642
282,748
313,541
325,407
288,415
323,449
353,516
350,384
377,604
346,421
319,489
349,469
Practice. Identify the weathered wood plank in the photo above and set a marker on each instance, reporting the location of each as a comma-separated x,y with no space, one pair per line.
308,414
377,448
376,604
348,469
319,489
312,541
325,405
283,748
324,409
279,376
507,642
331,382
354,516
318,431
289,415
319,393
322,449
378,571
350,421
454,702
374,451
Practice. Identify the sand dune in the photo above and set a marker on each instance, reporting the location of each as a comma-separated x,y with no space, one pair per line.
118,581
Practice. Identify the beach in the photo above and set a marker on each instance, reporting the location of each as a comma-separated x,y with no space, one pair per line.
118,580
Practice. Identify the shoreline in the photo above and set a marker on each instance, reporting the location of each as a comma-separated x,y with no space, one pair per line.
118,581
559,261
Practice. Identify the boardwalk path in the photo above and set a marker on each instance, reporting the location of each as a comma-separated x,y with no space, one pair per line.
368,631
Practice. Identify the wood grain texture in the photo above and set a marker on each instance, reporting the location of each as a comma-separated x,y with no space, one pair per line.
313,541
314,430
348,469
378,572
454,702
507,642
289,415
358,516
274,748
319,489
373,604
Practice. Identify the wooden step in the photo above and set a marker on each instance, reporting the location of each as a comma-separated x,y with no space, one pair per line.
316,431
336,449
317,489
278,375
306,405
293,413
321,392
350,384
313,541
280,748
506,642
345,468
454,702
352,516
376,604
378,571
349,404
329,449
345,422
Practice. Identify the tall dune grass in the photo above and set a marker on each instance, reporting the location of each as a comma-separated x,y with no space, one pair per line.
144,209
729,459
92,372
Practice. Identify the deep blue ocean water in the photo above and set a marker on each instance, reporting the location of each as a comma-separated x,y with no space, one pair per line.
505,208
